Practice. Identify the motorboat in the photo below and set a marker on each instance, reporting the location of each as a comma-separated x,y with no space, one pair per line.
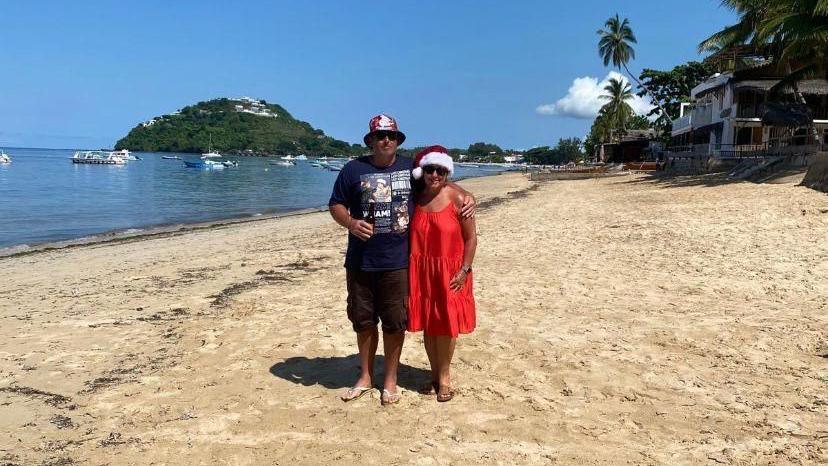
230,163
301,157
170,157
205,164
284,163
289,158
124,154
4,158
97,157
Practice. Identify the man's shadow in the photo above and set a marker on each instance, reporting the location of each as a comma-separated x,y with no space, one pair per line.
342,372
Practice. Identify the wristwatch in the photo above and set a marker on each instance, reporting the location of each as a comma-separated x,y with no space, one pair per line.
466,269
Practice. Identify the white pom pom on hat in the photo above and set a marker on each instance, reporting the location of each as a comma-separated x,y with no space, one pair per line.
432,155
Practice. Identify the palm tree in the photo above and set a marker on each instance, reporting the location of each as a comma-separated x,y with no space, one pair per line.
617,111
615,47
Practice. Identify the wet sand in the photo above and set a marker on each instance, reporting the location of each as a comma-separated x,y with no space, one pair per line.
621,320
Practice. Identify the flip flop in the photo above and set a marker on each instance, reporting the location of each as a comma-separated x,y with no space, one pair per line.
446,396
389,398
354,392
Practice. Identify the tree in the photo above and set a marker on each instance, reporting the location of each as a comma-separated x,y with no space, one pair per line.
482,150
614,46
617,110
671,88
793,33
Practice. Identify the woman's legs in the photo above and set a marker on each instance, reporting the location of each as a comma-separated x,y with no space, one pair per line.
431,351
444,349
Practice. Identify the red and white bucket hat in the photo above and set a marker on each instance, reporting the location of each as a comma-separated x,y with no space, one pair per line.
383,122
432,155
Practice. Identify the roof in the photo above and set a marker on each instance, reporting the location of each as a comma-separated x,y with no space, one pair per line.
806,86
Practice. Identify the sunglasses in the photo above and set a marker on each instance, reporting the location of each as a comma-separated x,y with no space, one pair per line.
429,169
380,135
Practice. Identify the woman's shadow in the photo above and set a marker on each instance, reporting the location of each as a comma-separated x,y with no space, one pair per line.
342,371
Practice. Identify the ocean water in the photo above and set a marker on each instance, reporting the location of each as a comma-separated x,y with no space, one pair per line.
45,198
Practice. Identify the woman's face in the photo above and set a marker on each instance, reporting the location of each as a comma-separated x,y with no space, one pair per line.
435,176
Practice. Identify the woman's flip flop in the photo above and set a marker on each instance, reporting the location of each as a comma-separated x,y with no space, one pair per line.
389,398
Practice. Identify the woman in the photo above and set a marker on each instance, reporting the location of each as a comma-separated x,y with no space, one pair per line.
441,301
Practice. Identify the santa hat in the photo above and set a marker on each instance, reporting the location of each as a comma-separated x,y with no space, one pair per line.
432,155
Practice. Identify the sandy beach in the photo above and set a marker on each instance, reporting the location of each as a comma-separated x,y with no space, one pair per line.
621,320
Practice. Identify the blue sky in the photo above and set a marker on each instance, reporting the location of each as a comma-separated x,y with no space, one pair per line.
82,74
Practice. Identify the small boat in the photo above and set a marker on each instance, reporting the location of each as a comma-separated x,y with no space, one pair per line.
124,154
334,168
230,163
96,157
289,158
4,158
205,164
170,157
301,157
284,163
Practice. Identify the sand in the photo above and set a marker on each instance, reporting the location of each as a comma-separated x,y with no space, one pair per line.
625,320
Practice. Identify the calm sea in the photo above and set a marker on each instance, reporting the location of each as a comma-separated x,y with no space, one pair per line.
45,198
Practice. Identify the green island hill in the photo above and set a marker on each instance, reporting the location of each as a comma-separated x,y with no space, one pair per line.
242,126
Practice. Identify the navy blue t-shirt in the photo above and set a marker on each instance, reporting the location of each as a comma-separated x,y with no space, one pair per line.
361,186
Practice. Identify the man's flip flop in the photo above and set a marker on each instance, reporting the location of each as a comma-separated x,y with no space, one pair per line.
354,392
389,398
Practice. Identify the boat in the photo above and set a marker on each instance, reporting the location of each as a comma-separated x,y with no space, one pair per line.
124,154
204,164
334,168
301,157
210,153
284,163
170,157
4,158
97,157
230,163
289,158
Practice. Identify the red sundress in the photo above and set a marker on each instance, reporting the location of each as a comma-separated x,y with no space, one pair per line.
436,255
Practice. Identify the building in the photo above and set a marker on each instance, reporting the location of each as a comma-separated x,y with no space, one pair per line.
635,145
730,114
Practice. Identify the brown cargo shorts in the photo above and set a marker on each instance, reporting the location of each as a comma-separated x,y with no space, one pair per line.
375,297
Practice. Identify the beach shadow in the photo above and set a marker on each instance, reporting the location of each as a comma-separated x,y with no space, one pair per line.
341,372
662,180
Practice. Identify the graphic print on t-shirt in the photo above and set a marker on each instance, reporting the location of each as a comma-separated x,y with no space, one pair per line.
384,198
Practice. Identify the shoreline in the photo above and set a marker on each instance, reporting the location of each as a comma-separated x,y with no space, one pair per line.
164,230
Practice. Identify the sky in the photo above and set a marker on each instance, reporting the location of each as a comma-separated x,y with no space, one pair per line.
518,74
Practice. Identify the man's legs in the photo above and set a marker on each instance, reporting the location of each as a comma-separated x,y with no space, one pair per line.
367,341
392,343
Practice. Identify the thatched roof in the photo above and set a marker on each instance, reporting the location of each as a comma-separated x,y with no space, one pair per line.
806,86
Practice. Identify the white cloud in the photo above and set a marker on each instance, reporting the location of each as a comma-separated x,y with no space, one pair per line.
582,99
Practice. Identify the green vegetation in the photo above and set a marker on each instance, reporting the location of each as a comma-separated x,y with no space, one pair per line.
791,33
671,88
567,150
232,131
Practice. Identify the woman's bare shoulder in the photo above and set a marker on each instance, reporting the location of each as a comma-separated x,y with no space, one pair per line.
455,194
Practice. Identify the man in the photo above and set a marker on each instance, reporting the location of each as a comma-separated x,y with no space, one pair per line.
372,199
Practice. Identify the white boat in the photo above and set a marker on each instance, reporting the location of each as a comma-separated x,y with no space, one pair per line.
289,158
210,152
4,158
97,157
230,163
124,154
284,163
301,157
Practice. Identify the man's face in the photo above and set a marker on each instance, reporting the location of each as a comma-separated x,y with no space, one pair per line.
384,143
